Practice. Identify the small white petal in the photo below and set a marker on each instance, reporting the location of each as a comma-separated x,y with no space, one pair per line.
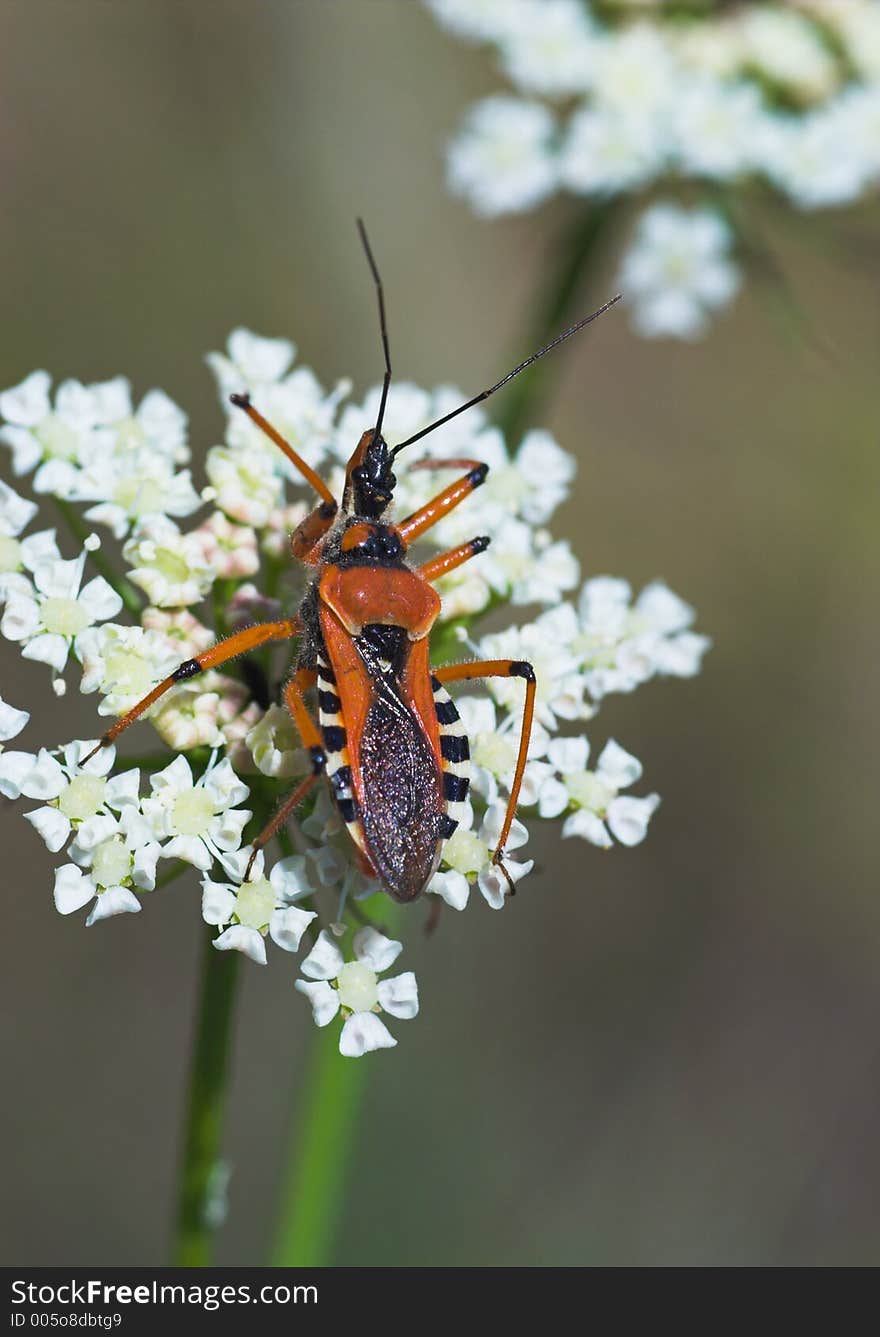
324,961
40,547
60,579
15,512
375,950
12,721
56,478
246,940
492,883
452,886
324,1000
190,849
14,769
665,611
553,798
477,714
224,785
493,821
100,600
111,515
286,878
617,767
73,889
287,926
45,779
628,818
135,827
27,404
260,359
218,902
400,995
681,656
143,870
48,649
95,830
123,790
176,776
362,1033
569,754
235,863
100,764
51,825
226,829
589,827
113,901
21,617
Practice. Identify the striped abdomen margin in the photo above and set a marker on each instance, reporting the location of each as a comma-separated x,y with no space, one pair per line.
336,748
455,751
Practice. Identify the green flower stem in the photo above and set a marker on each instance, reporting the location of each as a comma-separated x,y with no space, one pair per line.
578,253
202,1171
321,1149
202,1179
322,1143
80,531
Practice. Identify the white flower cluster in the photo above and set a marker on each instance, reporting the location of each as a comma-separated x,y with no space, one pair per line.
618,98
118,822
91,445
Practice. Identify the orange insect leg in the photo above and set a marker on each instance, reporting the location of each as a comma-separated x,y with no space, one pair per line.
309,532
445,501
447,561
218,654
301,681
308,473
280,817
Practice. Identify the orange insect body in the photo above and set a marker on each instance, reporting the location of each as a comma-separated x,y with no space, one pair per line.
388,736
392,745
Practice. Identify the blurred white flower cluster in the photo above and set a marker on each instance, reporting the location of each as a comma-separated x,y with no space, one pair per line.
125,826
625,97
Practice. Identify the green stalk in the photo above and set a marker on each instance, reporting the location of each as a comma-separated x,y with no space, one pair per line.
322,1145
577,254
323,1139
80,531
201,1180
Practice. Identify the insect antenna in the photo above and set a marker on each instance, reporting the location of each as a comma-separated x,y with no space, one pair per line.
383,328
478,399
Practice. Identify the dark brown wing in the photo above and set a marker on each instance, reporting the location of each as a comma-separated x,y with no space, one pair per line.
381,717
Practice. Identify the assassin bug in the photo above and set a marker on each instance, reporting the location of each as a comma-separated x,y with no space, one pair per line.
388,736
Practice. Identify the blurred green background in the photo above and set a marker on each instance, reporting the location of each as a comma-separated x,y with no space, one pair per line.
661,1056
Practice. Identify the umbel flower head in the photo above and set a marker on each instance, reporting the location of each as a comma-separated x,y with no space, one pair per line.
219,751
617,99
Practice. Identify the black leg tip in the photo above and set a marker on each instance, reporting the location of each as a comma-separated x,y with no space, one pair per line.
188,669
242,401
480,544
520,668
